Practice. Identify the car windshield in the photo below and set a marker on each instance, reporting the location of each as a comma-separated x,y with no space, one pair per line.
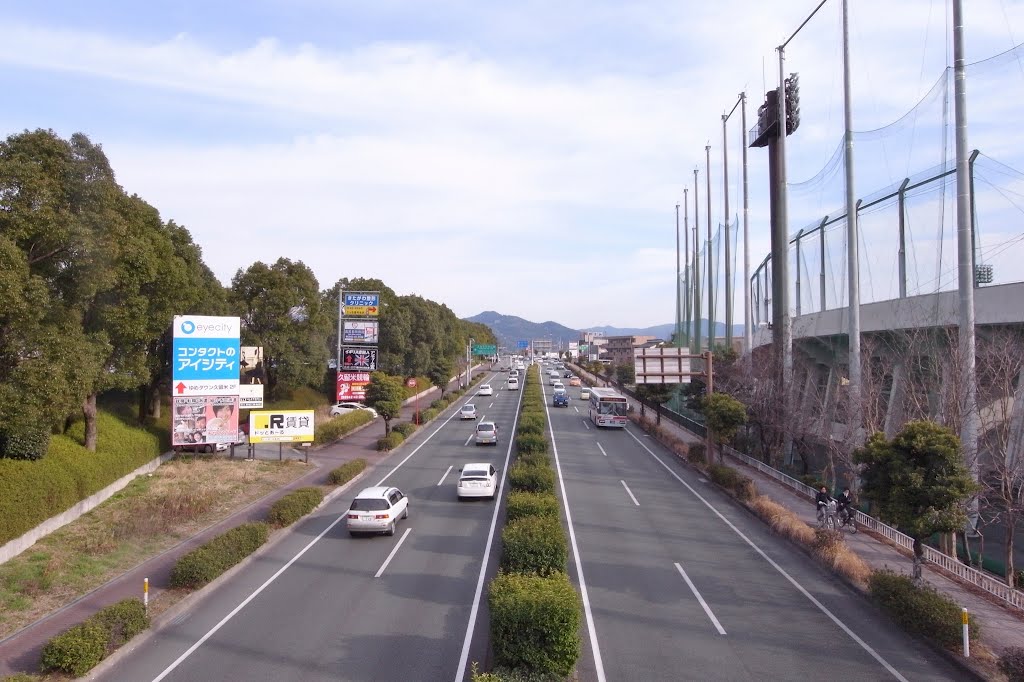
485,427
369,504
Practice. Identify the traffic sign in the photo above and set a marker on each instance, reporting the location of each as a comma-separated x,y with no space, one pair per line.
411,383
485,349
361,303
522,344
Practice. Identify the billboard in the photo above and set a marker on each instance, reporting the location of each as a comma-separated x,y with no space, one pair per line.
251,369
250,396
360,331
662,365
281,426
204,419
359,358
351,386
205,355
362,303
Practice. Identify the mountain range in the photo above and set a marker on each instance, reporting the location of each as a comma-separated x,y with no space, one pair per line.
509,329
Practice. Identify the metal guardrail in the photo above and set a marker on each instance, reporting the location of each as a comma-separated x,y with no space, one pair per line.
993,586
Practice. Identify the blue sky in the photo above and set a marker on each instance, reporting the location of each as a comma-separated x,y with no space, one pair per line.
524,157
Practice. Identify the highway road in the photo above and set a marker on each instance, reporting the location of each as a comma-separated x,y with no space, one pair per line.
681,583
321,605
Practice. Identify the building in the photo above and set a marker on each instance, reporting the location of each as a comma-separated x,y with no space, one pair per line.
620,348
592,345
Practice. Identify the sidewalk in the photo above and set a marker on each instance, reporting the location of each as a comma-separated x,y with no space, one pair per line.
1002,626
20,652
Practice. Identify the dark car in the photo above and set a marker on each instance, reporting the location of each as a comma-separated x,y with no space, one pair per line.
567,375
561,400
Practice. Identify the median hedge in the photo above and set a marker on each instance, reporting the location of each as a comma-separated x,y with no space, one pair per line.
346,472
527,443
521,504
208,561
390,441
920,609
531,478
295,505
535,623
534,544
80,648
32,491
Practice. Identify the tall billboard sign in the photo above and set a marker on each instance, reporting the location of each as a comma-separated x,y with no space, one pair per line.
204,419
352,386
359,359
360,331
361,304
205,358
662,365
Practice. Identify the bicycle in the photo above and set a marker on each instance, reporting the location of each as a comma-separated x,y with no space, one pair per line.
827,516
847,517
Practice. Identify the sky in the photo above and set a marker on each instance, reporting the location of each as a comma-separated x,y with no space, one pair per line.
523,157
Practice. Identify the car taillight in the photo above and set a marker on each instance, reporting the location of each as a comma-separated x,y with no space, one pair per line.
380,516
353,516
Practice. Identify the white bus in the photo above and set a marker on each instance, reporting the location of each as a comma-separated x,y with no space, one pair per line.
608,407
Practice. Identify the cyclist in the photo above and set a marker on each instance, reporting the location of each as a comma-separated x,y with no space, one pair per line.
844,505
821,500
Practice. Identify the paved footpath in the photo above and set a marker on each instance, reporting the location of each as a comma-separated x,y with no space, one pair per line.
1002,626
20,651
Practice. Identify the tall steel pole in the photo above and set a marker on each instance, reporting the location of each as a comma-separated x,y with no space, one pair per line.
686,259
852,244
783,227
711,273
748,317
728,266
679,308
964,230
696,266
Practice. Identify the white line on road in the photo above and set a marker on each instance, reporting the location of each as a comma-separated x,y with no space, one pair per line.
447,471
629,492
467,440
704,604
464,656
602,450
864,645
586,425
575,408
490,406
393,553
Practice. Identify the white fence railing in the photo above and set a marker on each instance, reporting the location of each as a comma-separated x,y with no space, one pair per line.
990,584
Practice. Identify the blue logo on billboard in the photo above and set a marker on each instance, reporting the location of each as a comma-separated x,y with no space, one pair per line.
188,326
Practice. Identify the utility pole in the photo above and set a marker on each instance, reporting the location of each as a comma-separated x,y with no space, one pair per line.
696,267
711,274
748,318
679,308
725,233
686,259
852,244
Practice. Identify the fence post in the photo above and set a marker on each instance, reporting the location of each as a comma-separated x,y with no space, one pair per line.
145,594
967,639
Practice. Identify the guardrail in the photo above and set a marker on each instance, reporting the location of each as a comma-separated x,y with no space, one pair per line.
993,586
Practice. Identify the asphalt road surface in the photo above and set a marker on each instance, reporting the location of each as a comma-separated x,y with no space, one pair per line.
322,605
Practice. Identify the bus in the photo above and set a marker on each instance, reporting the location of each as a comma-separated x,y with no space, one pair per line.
608,408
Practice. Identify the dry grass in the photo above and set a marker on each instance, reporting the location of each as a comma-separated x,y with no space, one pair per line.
830,547
782,521
150,515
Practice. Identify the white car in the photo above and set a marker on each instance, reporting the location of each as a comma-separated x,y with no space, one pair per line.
485,389
468,411
345,408
377,510
584,393
513,384
477,480
487,433
514,373
554,378
558,385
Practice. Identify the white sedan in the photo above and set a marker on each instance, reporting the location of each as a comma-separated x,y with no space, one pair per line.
377,510
485,389
345,408
477,480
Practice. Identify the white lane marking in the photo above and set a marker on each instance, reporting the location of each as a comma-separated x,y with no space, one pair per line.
446,472
393,553
575,408
704,604
490,406
464,656
467,440
602,450
864,645
586,425
629,492
587,612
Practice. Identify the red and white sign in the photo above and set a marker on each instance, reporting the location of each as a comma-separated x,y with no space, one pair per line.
352,385
411,383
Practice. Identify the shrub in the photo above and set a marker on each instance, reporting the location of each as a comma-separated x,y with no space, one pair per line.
522,504
531,478
535,623
77,650
745,488
531,422
122,620
208,561
346,472
534,544
536,459
439,404
294,506
1011,663
330,430
920,609
727,477
390,441
405,428
782,520
527,443
27,677
696,456
427,415
503,674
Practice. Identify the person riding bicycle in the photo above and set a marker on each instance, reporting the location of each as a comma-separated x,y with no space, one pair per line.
844,504
821,500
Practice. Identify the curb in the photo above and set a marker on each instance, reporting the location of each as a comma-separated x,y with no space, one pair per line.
950,657
164,619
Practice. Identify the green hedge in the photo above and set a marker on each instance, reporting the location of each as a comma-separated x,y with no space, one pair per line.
1011,663
920,609
340,426
503,674
695,455
534,544
521,504
208,561
294,506
80,648
531,422
33,491
346,472
390,441
535,623
732,480
527,443
535,459
531,478
405,428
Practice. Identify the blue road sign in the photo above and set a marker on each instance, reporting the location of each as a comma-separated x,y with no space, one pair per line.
522,344
362,298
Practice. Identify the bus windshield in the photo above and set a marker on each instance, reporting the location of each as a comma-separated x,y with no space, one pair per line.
615,408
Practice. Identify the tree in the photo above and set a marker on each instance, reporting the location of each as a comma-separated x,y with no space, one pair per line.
441,373
385,394
625,374
723,415
656,394
918,481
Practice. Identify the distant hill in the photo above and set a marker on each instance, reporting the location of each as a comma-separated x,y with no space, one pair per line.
509,329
